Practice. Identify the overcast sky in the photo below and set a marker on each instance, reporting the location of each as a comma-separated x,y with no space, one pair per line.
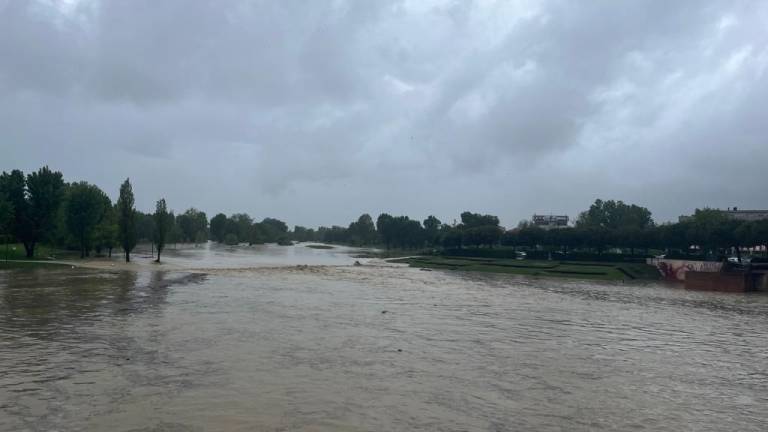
317,111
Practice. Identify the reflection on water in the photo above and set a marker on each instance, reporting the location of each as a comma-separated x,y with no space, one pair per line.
215,256
372,348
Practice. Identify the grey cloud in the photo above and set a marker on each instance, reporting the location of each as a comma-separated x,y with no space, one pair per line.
400,106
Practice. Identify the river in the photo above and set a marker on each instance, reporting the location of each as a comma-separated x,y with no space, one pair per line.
251,339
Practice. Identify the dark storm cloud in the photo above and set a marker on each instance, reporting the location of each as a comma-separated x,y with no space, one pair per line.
417,107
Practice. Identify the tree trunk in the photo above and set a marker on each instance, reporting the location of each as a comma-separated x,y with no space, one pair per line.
110,252
127,256
158,254
29,247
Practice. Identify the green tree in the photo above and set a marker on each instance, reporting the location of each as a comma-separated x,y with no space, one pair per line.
273,230
85,210
240,224
13,187
708,229
384,226
193,224
163,223
474,220
218,227
45,194
36,200
362,232
106,231
432,227
6,213
614,215
126,219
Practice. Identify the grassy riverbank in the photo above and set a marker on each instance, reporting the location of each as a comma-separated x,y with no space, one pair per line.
16,251
568,269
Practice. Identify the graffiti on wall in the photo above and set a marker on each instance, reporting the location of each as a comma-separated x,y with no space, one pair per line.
676,269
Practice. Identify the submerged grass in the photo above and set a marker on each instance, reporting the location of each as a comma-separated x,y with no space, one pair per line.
319,246
571,269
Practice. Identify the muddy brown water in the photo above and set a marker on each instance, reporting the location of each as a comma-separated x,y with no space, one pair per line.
256,343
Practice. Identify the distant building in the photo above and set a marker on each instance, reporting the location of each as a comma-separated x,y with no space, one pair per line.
746,215
739,215
550,221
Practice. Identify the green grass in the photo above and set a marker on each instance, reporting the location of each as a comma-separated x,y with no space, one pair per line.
569,269
16,252
15,264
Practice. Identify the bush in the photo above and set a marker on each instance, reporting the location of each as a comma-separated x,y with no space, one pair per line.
230,239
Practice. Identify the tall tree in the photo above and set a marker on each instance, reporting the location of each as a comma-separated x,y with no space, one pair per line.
432,229
615,215
194,225
84,211
45,194
106,231
126,219
6,213
13,186
384,226
362,231
219,227
36,200
163,221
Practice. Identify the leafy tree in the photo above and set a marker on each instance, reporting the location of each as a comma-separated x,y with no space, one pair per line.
270,230
145,226
708,229
85,210
193,224
334,234
259,234
452,238
614,215
530,236
107,230
362,231
6,213
35,199
473,220
239,224
406,233
126,219
45,194
218,227
303,234
230,239
176,235
432,227
384,227
13,187
163,223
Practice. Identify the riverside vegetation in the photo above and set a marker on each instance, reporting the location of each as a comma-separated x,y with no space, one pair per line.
609,240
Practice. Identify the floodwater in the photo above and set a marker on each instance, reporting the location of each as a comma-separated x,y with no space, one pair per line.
246,340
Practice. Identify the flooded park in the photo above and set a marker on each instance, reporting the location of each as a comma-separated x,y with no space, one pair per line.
294,338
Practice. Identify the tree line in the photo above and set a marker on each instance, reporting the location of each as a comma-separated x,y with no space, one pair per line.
605,226
42,207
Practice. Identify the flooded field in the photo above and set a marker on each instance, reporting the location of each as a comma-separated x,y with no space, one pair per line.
251,339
